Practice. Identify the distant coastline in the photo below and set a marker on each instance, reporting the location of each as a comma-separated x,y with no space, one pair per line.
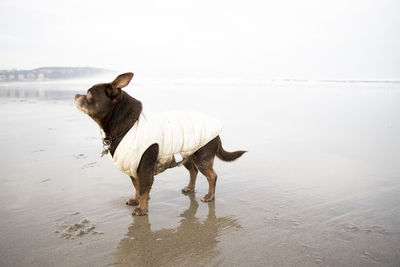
50,73
56,73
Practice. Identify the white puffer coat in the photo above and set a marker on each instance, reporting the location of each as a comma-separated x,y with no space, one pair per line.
174,132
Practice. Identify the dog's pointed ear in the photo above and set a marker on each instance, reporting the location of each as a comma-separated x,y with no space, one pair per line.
120,82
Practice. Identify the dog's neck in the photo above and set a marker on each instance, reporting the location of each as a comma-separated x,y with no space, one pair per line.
121,118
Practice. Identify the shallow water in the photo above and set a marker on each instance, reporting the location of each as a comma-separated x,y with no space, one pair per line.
320,184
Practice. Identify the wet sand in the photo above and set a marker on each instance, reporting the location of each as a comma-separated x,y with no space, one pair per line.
320,185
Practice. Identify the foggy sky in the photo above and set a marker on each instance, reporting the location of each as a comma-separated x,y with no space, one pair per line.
311,39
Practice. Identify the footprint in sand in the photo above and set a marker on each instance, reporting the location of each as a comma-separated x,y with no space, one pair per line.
39,150
80,156
4,180
89,165
71,231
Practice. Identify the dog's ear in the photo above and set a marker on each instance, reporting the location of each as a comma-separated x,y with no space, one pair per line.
120,82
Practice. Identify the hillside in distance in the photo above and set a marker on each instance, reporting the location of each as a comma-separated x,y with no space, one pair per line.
50,73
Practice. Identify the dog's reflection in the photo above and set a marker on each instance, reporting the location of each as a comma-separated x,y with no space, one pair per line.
193,241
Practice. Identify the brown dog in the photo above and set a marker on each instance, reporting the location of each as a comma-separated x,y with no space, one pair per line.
117,114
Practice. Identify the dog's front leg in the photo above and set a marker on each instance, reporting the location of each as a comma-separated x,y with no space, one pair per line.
145,175
143,198
189,165
134,201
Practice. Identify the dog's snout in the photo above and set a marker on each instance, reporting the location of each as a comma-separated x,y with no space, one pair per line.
77,96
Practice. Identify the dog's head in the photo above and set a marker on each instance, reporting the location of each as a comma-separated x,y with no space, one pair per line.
101,98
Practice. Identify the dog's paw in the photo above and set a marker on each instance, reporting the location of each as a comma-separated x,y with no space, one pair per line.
139,212
132,202
187,190
207,198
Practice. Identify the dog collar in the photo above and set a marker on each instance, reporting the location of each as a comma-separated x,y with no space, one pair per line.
107,142
106,146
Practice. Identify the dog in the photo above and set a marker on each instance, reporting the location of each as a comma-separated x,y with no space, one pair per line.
143,145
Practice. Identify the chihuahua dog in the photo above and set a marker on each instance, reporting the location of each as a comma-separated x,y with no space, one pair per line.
145,144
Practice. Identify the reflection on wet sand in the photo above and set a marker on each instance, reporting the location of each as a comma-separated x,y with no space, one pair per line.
193,241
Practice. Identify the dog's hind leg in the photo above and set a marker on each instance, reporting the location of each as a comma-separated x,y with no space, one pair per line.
135,200
208,171
204,161
189,165
145,174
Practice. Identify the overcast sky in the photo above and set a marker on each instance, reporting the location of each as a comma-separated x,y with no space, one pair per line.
312,39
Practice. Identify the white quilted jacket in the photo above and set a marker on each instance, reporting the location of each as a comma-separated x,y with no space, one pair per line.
174,132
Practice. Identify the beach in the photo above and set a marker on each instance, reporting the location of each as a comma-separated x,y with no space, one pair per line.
319,186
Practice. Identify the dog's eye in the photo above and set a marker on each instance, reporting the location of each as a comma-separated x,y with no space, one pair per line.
89,98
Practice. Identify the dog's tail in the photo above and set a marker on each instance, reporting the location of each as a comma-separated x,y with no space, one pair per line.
225,155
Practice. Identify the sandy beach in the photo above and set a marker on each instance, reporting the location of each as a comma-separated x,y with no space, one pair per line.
319,186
